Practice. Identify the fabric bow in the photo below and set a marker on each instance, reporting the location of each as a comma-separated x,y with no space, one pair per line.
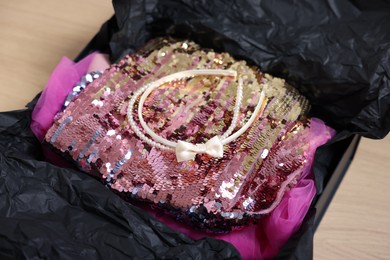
187,151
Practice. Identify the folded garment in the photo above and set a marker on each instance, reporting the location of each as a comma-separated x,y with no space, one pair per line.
286,215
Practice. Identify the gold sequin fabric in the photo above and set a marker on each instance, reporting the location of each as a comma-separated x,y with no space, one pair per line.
215,194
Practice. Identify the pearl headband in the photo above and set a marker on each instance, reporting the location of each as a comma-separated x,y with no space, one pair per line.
184,150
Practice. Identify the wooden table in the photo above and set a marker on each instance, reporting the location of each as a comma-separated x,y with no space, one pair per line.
34,35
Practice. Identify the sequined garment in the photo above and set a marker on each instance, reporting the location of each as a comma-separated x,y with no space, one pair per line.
210,193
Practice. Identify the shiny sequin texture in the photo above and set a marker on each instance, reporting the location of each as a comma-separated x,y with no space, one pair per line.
215,194
80,86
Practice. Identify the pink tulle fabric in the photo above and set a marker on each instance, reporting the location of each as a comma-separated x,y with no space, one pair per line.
261,241
59,85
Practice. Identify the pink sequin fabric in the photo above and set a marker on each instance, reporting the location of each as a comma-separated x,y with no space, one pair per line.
215,194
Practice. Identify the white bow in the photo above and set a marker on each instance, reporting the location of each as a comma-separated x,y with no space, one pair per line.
187,151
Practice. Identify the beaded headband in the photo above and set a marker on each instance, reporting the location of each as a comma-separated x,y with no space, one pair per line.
184,150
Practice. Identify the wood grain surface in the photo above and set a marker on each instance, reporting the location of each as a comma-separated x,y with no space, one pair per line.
34,35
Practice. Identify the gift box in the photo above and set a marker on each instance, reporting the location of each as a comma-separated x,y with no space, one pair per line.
299,55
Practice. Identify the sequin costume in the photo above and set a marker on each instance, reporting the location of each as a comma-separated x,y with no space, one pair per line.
212,194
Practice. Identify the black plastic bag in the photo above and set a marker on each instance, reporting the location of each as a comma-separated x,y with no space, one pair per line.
53,213
335,53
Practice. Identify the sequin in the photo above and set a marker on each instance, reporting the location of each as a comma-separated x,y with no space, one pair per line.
88,78
264,154
60,128
110,132
89,143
